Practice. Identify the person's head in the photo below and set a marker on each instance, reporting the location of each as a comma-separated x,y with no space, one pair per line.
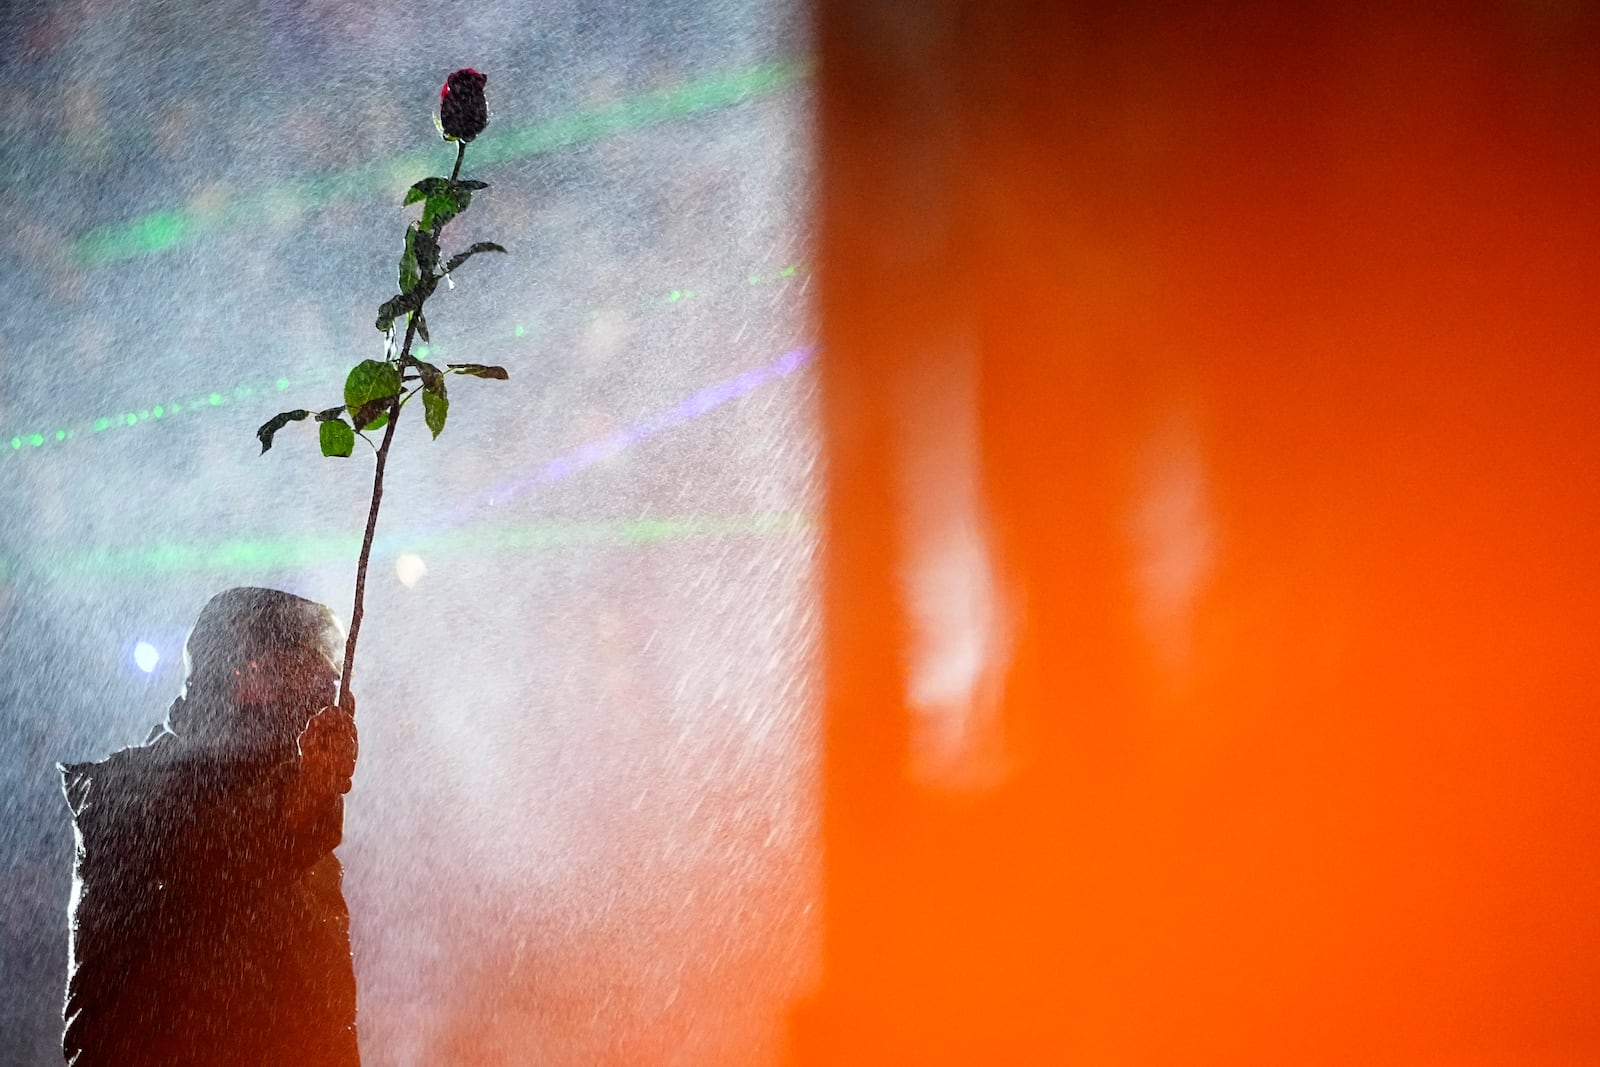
259,663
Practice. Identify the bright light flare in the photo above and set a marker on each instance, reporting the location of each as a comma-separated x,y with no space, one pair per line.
146,656
410,569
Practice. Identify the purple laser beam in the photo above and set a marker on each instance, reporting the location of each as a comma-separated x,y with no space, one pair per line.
707,399
592,452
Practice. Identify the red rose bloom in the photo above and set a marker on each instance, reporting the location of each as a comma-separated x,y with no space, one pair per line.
463,112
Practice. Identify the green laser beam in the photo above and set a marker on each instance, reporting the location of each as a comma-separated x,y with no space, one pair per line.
257,556
472,340
162,230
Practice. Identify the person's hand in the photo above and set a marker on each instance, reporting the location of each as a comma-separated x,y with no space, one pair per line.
328,749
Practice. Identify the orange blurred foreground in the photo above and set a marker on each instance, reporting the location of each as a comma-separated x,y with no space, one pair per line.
1210,400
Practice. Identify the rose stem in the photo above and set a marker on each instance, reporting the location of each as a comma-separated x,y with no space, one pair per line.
346,700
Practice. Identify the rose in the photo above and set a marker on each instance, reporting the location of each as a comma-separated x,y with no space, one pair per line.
463,113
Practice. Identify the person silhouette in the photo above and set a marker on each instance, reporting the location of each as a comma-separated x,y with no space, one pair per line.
207,919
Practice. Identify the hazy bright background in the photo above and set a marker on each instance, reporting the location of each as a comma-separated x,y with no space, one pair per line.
582,831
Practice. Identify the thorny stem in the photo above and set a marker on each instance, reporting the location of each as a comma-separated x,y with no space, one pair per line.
346,699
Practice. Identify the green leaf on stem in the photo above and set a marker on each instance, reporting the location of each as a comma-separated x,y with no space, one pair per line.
330,413
276,423
338,439
373,415
425,188
427,251
440,208
480,370
461,257
471,183
435,408
396,306
422,326
410,272
432,377
372,381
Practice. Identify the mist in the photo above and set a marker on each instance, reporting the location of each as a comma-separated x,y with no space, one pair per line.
582,829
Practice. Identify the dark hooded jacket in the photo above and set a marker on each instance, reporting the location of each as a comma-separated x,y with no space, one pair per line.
206,928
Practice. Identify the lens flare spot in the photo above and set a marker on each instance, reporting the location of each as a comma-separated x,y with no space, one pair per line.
145,656
410,569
